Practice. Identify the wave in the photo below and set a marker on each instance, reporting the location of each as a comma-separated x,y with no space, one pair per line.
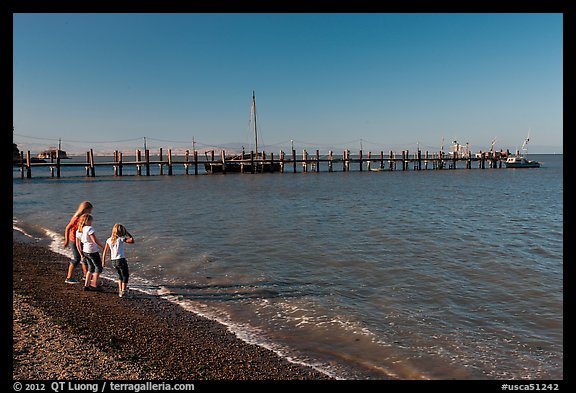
16,226
56,244
249,334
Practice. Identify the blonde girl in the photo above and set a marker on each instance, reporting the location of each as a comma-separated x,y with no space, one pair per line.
115,243
88,243
70,236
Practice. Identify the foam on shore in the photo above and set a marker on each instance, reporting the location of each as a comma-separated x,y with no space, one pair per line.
246,333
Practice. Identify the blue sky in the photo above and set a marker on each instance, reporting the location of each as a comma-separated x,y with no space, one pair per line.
325,81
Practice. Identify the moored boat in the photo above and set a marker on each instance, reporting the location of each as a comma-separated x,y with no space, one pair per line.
52,152
520,160
242,163
245,162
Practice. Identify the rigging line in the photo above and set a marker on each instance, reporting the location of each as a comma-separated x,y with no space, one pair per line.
205,144
348,142
374,143
221,147
325,144
165,140
34,137
75,140
278,144
411,143
117,141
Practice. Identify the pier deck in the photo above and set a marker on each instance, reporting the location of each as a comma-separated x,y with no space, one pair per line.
269,163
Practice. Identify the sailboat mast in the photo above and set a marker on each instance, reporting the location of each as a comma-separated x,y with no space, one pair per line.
255,132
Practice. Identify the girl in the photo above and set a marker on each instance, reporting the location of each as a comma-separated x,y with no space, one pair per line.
116,245
88,243
70,236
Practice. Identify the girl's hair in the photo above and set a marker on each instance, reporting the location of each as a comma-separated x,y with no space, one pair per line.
118,230
84,218
83,208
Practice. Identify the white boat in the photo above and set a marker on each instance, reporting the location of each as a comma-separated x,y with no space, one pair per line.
521,160
53,152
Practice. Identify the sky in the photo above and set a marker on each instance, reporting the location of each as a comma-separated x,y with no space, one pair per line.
322,81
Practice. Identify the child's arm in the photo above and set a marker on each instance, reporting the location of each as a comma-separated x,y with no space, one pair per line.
95,240
66,239
79,245
129,238
104,254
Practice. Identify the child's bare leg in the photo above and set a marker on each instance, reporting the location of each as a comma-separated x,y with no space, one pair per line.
70,270
95,279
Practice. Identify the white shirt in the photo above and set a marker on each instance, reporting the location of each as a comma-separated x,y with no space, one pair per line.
88,245
116,249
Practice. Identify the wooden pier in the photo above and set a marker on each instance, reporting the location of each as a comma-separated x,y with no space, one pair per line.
391,161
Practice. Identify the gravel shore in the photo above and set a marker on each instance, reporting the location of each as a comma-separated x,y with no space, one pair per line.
63,332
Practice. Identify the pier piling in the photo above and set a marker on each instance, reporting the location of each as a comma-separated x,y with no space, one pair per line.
262,162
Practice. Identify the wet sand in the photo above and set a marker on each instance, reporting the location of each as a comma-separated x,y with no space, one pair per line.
63,332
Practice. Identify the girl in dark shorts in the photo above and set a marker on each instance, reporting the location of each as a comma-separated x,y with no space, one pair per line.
115,243
70,236
88,243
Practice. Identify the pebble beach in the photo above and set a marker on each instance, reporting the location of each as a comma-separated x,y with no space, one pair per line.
62,332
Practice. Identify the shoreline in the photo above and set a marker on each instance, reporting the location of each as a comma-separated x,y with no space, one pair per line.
58,328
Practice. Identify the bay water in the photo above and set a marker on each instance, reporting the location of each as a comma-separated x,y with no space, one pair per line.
432,274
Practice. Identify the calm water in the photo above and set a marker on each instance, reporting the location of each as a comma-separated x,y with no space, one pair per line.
453,274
